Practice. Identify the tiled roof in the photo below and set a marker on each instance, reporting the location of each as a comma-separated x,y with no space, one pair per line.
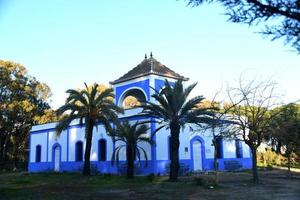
149,66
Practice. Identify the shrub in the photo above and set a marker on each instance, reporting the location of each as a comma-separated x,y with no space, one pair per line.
270,158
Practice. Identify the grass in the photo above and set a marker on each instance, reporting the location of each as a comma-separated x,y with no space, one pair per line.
71,186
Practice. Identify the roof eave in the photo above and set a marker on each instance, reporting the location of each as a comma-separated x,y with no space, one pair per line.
145,74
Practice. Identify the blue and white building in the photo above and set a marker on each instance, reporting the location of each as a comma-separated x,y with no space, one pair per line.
66,152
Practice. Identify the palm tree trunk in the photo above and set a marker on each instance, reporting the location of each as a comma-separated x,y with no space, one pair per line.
88,145
254,165
130,161
174,154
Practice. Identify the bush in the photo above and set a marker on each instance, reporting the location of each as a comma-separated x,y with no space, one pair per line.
270,158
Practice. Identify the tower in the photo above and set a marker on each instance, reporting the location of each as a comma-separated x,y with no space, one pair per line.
139,83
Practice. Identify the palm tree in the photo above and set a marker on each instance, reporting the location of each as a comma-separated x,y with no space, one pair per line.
131,136
173,112
91,107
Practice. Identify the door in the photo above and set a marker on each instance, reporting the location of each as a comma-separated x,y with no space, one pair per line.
197,157
56,159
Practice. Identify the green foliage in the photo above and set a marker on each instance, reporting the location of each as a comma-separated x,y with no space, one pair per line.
285,129
91,106
285,132
23,102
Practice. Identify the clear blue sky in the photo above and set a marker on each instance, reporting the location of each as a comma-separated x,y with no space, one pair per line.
67,42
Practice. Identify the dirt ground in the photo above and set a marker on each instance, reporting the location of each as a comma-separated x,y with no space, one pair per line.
273,185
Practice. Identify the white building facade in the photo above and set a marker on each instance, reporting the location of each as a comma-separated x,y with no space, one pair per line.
66,152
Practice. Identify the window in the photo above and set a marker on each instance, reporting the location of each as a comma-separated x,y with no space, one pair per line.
78,151
219,147
239,149
102,150
169,145
38,152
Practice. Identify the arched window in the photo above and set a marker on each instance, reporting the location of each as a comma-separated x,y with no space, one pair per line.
38,153
132,98
219,147
239,149
102,150
78,151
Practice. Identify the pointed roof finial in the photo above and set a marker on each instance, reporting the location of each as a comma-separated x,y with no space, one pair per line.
145,56
151,54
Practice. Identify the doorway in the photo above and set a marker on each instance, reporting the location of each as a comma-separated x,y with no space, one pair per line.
57,159
197,156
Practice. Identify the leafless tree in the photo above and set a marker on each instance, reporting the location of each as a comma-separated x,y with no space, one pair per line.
249,109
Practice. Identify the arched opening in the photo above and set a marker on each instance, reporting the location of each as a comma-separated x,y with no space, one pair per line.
102,150
38,153
79,151
132,98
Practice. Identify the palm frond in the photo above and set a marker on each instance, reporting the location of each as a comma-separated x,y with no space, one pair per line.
145,155
64,123
191,104
74,96
115,154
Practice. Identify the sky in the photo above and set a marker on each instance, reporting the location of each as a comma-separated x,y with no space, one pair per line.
66,43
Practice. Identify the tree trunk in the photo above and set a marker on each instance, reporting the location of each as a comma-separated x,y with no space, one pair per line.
216,164
15,155
130,161
4,149
1,148
174,154
254,164
289,166
88,145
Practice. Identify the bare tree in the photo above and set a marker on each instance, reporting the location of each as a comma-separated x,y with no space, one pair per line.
219,126
250,108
